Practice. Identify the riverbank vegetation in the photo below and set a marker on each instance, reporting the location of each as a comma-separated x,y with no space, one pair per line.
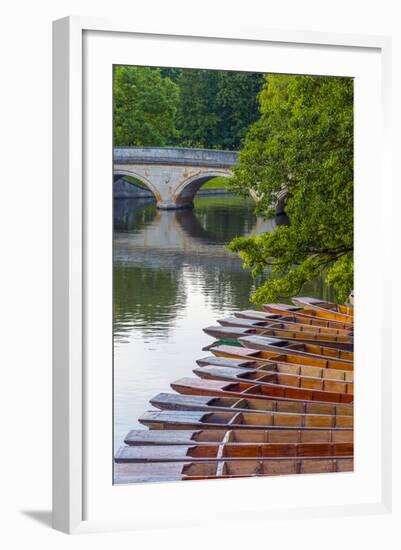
303,143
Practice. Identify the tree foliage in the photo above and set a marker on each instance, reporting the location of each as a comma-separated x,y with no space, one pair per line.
302,142
145,107
184,107
197,119
216,108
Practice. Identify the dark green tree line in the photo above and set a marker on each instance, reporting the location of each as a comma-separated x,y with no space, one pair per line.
217,107
184,107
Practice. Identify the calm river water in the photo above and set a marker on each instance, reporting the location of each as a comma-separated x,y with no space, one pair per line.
173,277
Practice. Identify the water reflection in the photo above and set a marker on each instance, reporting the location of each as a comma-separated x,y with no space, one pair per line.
157,253
172,277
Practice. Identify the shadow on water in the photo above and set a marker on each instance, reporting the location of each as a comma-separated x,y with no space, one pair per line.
133,214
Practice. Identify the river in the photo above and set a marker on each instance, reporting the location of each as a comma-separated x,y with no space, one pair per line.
173,276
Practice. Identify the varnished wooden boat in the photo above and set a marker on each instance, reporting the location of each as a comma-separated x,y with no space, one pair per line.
269,378
276,366
267,467
237,437
233,333
172,471
228,451
278,401
231,362
290,324
292,314
282,357
341,321
175,420
177,402
241,388
315,303
269,343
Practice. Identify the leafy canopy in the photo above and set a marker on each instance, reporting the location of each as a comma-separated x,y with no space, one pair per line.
216,108
303,143
184,107
145,107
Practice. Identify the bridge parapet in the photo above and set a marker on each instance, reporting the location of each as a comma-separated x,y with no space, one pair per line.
175,156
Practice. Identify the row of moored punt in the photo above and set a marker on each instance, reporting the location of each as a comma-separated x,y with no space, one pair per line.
274,397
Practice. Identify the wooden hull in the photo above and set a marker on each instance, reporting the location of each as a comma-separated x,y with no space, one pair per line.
321,305
177,402
277,366
231,362
228,451
307,315
292,314
174,471
195,386
236,437
283,357
176,420
267,467
269,343
266,378
227,333
289,325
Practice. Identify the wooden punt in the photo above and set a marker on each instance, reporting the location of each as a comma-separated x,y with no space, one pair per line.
276,366
267,467
231,362
240,388
233,333
269,343
237,437
177,402
285,309
269,378
290,324
173,471
283,357
293,314
176,420
220,332
228,451
314,303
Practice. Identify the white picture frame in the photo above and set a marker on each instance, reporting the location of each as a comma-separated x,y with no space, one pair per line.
74,391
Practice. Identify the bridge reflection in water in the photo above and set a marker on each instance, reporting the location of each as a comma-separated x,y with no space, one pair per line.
187,230
158,254
172,277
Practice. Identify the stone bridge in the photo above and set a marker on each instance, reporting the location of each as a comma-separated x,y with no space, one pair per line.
173,175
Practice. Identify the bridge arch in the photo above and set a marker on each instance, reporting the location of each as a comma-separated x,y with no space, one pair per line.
120,173
187,189
173,174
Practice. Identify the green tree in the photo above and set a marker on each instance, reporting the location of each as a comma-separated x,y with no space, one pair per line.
197,119
303,142
145,107
216,107
237,105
